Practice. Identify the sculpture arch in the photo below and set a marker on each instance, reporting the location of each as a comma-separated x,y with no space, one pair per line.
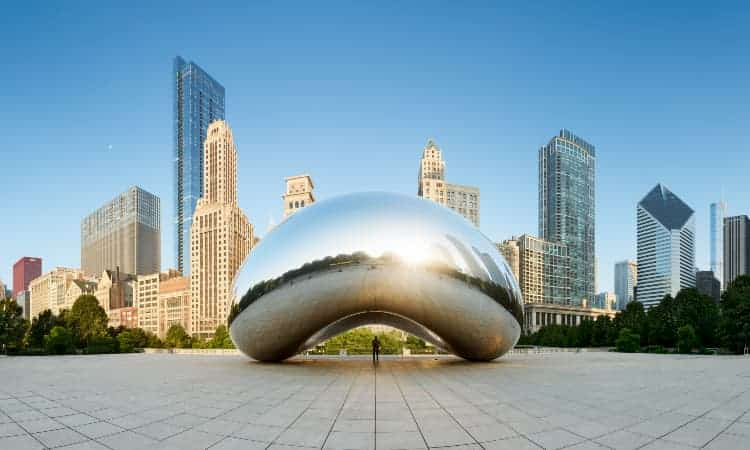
375,258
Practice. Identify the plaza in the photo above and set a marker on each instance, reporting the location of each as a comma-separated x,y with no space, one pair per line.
581,400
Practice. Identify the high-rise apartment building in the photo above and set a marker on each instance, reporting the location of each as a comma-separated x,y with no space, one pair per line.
25,270
432,185
736,248
666,246
221,234
717,211
567,168
3,294
125,233
49,290
298,194
198,101
626,276
542,270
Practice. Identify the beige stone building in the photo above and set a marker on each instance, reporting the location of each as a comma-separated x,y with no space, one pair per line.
48,291
221,236
115,289
75,289
511,252
299,193
542,271
146,291
175,306
537,315
432,185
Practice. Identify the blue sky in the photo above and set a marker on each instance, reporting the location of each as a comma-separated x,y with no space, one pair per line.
350,93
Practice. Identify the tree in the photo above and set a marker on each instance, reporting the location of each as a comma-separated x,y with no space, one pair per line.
734,323
601,332
627,341
177,337
131,339
12,325
40,327
700,312
221,338
661,320
686,339
86,320
59,341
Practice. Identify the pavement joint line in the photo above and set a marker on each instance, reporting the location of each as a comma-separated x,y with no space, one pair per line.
413,417
341,408
476,441
327,386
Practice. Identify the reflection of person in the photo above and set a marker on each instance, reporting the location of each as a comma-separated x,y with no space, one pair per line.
375,349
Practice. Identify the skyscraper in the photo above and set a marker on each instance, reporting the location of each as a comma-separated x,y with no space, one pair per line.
124,233
432,185
717,211
736,248
221,235
567,166
25,270
298,194
626,275
198,101
666,246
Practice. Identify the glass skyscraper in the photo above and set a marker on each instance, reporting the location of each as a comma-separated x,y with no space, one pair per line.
666,246
566,207
716,233
198,101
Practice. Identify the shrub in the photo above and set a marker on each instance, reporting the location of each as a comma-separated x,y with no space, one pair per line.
102,344
686,339
627,341
656,349
59,341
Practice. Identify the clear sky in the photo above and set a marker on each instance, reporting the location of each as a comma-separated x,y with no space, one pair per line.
350,93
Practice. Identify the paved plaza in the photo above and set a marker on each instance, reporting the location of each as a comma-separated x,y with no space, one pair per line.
564,400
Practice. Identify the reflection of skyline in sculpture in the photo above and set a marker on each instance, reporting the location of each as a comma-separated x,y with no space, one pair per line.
380,257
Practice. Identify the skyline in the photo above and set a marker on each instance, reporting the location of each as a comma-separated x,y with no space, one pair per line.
355,112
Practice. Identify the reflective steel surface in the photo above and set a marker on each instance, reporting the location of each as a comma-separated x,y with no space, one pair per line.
375,258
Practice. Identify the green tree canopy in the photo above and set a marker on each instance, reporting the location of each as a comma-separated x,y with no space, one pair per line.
221,338
734,324
41,326
627,341
86,320
12,325
687,339
59,341
177,337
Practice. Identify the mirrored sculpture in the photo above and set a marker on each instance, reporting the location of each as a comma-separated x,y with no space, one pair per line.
375,258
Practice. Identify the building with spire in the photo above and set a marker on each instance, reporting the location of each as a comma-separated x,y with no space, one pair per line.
717,212
198,100
666,246
221,236
432,185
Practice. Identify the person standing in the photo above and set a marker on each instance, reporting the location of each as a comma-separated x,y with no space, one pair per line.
375,350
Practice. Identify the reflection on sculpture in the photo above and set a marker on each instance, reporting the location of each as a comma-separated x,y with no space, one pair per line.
375,258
